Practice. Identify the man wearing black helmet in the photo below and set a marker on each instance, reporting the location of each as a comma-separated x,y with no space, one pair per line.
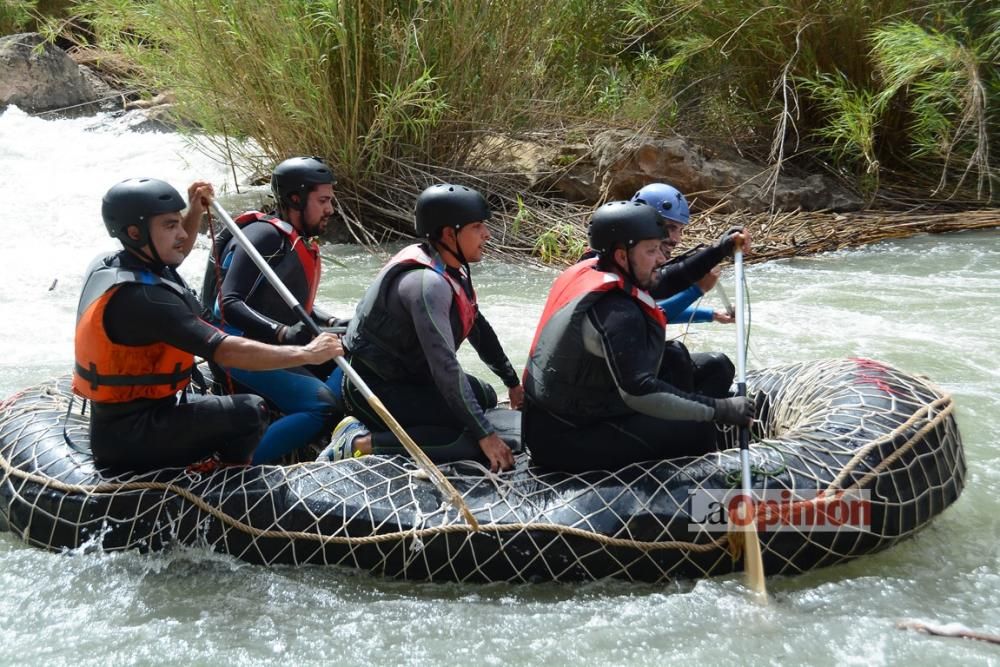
244,302
405,334
595,397
138,330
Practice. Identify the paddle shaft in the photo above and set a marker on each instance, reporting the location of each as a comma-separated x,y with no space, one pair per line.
418,454
752,558
721,291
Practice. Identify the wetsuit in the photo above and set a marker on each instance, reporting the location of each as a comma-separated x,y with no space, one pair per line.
403,342
147,433
307,396
709,373
680,308
595,392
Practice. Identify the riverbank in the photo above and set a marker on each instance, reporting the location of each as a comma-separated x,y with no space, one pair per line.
542,185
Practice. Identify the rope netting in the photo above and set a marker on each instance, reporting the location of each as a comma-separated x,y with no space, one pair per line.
824,428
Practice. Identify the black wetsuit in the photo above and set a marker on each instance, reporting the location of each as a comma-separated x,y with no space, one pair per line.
440,406
709,373
653,400
666,423
251,305
146,434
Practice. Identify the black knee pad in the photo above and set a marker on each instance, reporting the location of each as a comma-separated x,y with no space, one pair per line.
251,412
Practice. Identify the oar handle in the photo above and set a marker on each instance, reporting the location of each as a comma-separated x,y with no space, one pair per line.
741,359
418,454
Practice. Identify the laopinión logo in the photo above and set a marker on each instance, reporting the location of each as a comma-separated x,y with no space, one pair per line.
721,510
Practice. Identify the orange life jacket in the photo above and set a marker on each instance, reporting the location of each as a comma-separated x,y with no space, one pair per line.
106,372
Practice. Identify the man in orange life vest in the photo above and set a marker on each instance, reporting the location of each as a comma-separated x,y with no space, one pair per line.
595,397
138,329
242,301
405,334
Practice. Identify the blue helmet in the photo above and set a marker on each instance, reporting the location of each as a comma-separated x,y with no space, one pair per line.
667,200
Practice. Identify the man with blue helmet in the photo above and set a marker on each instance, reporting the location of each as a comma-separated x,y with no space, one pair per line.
595,392
708,373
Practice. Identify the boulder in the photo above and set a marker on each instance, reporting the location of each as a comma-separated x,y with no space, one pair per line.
616,163
107,98
38,76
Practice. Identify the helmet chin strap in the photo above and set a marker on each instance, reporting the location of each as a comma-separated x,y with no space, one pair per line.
459,255
152,257
629,273
457,252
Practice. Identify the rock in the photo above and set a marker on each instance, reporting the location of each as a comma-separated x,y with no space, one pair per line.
108,99
37,76
616,163
160,118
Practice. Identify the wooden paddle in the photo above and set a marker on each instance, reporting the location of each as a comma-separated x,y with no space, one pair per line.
436,476
753,563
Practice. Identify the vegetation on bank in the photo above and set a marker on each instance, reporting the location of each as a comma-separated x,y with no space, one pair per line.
391,91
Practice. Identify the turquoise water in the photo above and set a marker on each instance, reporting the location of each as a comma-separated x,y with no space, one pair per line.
926,304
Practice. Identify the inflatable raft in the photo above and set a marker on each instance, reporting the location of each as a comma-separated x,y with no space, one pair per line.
826,431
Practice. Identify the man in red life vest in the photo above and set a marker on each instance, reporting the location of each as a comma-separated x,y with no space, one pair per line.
138,330
405,334
595,397
242,301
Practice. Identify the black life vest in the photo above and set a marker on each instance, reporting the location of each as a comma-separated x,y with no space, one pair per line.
390,346
561,375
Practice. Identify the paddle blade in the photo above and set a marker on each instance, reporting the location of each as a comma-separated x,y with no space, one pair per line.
753,563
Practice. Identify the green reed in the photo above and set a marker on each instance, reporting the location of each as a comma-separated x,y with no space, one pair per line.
396,94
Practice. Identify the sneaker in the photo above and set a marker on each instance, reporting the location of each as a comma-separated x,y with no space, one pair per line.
342,440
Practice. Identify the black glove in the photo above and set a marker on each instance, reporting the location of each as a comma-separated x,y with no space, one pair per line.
296,334
338,322
728,240
737,410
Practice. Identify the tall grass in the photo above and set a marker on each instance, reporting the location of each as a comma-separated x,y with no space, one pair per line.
360,82
395,93
29,15
867,83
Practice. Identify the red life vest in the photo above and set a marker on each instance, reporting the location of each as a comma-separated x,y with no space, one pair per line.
561,375
584,278
465,303
307,251
106,372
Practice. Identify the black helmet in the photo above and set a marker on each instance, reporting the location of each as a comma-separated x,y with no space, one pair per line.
623,222
297,176
133,202
446,205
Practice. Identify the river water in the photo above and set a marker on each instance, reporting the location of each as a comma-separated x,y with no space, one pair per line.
926,304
